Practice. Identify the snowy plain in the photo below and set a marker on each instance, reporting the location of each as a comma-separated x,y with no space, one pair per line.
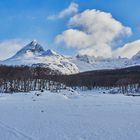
69,116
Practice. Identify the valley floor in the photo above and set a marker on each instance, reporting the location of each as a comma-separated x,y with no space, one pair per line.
83,116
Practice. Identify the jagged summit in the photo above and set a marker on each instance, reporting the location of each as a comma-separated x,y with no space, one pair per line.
34,43
33,48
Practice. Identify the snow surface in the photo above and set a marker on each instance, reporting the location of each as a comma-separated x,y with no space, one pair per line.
69,116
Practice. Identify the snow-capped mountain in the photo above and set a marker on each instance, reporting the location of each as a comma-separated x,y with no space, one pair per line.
32,49
34,55
88,63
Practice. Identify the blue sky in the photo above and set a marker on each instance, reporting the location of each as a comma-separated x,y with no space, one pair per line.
27,19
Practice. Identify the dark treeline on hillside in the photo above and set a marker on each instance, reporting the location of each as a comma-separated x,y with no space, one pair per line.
25,79
127,79
104,78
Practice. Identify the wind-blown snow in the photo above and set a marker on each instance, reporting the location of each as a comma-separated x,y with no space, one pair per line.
52,116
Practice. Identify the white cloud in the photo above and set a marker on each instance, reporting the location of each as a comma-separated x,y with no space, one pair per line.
72,9
93,32
9,47
128,50
74,38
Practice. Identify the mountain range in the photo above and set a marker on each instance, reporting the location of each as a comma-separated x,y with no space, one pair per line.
34,54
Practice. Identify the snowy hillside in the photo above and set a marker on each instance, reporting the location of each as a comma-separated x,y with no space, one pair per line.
88,63
87,116
34,54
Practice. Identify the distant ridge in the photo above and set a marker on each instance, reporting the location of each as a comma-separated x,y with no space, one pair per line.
33,54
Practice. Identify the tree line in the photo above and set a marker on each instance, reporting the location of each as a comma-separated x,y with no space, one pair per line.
126,79
25,79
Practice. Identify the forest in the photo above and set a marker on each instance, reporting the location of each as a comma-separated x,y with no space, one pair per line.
25,79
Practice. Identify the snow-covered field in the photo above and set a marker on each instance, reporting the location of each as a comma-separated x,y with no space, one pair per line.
83,116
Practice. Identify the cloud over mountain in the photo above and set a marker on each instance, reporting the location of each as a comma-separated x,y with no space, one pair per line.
93,32
128,50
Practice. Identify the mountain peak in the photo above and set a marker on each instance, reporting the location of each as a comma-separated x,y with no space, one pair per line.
33,43
33,48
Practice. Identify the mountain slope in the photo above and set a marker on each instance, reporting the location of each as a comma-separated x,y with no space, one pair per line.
34,55
87,63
